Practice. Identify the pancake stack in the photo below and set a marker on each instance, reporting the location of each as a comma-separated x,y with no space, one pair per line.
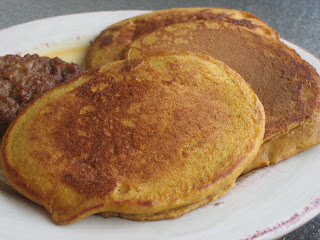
166,119
288,87
149,138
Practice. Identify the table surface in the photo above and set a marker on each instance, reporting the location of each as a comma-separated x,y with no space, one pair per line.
295,20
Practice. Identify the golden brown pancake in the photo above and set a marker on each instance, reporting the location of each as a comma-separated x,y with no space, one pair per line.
112,42
288,87
154,136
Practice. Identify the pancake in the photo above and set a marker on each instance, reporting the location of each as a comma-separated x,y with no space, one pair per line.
287,86
154,136
112,42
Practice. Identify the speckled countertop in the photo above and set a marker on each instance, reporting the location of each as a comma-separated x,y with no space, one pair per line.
296,21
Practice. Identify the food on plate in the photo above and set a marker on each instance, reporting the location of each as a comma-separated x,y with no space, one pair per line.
112,42
145,139
288,87
23,79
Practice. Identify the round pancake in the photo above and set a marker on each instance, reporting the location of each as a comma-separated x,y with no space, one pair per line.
138,137
288,87
112,42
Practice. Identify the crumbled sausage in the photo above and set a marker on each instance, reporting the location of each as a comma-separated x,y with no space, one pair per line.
23,79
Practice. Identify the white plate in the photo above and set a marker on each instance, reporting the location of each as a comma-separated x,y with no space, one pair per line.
265,204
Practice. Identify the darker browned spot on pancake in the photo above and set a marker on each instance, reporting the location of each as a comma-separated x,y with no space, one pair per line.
168,82
115,28
145,26
131,64
140,202
208,15
243,22
106,40
103,34
146,203
86,183
91,71
106,37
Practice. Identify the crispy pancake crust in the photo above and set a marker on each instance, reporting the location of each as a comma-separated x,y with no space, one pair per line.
112,42
164,132
288,87
169,214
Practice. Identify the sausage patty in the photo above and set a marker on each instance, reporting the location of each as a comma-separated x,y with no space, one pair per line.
23,79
